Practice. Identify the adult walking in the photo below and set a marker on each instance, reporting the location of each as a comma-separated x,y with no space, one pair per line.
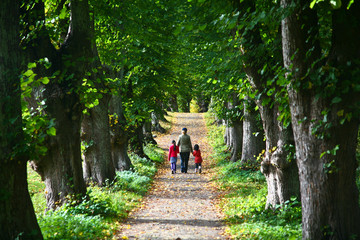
184,142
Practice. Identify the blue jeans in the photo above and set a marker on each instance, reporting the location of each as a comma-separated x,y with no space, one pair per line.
173,166
184,161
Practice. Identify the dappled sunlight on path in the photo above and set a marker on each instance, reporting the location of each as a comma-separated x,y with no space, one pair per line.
179,206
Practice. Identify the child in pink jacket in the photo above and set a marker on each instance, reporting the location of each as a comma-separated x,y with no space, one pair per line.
173,151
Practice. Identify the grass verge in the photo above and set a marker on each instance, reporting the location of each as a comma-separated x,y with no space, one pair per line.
100,215
244,197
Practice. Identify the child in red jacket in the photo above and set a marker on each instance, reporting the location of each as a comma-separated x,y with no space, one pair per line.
198,158
173,151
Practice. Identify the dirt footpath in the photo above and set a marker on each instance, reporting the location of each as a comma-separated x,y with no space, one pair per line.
179,206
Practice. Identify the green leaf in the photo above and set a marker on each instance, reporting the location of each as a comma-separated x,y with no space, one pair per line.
45,80
62,14
31,65
189,27
350,3
51,131
336,100
178,30
28,73
336,4
312,4
202,27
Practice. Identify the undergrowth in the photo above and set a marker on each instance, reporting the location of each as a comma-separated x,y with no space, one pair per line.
244,197
96,216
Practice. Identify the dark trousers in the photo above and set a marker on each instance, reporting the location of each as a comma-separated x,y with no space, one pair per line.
184,161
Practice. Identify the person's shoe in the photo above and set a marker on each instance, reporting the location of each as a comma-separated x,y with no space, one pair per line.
172,171
199,169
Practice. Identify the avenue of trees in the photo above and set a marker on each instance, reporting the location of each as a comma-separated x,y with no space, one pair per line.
83,82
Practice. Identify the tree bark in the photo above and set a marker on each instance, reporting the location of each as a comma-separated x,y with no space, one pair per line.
61,167
98,165
227,137
234,131
203,102
279,170
236,136
119,138
148,136
253,135
137,140
173,104
155,123
329,195
17,218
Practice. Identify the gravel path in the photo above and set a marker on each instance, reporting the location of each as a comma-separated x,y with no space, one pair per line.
179,206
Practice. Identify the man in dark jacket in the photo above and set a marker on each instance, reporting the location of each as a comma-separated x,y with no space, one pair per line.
184,142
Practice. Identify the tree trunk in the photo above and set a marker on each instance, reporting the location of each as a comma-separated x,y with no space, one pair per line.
325,146
184,100
148,136
17,218
98,164
174,107
156,123
278,167
236,136
119,138
227,137
137,140
61,167
253,135
235,129
186,106
203,102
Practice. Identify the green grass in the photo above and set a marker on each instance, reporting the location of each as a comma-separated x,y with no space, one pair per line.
97,216
36,190
244,198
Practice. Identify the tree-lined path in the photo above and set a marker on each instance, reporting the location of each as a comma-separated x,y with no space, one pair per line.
179,206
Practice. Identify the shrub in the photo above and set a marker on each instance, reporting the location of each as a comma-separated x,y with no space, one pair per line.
63,224
143,166
132,181
155,153
91,206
